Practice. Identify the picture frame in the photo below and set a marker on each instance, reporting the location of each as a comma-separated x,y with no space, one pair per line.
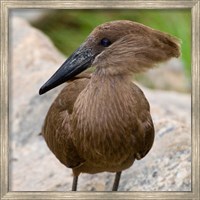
7,5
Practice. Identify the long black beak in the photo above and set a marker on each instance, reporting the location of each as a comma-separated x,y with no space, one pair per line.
80,60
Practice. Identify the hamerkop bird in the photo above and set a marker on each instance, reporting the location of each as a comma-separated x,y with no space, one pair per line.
101,121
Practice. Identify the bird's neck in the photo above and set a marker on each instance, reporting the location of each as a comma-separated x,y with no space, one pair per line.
103,76
103,88
105,97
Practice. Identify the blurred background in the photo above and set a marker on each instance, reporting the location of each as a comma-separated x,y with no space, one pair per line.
69,28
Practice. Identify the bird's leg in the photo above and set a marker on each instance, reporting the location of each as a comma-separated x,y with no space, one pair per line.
116,182
74,184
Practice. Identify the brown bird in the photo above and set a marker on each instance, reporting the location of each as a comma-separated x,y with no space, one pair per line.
101,121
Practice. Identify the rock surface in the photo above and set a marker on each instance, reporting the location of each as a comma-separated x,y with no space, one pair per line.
34,168
169,76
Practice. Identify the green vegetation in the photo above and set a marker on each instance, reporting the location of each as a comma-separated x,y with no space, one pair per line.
69,28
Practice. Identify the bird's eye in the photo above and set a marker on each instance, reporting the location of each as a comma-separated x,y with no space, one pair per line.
105,42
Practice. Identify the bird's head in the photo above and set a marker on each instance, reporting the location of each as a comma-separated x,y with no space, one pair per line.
117,47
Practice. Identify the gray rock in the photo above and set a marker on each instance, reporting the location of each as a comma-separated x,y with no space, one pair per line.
34,168
33,54
169,76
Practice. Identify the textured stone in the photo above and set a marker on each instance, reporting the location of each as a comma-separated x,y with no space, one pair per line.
33,167
169,76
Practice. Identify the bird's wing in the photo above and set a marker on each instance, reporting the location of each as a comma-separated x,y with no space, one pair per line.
56,128
145,135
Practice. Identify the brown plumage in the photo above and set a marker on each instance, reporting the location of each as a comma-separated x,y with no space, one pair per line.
101,122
